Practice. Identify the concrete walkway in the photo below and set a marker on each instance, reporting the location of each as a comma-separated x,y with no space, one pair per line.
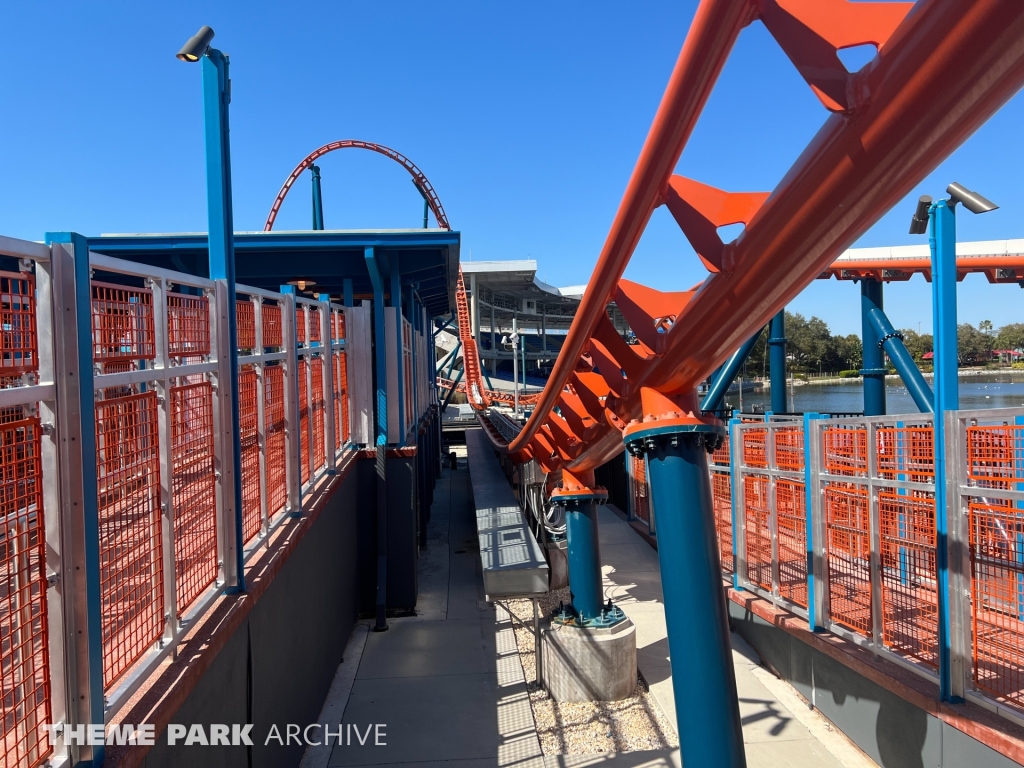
448,687
778,727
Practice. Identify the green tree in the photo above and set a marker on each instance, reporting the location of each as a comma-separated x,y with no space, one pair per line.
986,327
973,346
918,344
1011,337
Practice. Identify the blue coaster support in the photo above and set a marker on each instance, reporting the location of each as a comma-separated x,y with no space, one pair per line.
703,679
873,369
942,240
777,361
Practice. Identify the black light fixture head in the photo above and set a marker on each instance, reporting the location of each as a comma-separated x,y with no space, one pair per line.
972,201
919,224
197,45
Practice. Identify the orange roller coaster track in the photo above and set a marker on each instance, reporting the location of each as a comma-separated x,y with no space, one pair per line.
939,74
417,176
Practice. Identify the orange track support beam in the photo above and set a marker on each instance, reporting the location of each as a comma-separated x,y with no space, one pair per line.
941,73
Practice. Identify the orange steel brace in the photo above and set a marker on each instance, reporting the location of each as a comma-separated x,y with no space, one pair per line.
940,73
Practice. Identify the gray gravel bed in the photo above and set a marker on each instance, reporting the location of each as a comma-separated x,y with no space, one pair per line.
630,725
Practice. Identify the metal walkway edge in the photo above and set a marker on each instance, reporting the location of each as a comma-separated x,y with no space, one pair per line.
512,560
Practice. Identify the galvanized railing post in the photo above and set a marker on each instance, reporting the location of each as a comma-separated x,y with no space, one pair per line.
56,600
308,405
165,432
874,537
816,502
773,512
958,543
327,339
734,516
293,470
812,512
739,536
261,413
79,514
229,524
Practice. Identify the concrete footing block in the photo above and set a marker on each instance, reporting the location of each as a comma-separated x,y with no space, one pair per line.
590,664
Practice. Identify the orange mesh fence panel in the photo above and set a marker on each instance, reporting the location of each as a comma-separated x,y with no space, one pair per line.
791,519
188,325
721,454
245,321
248,425
24,638
909,597
997,591
273,413
131,579
759,532
789,449
18,340
300,324
849,561
195,507
721,490
122,323
906,453
314,323
846,451
303,421
272,330
755,447
318,411
641,497
995,455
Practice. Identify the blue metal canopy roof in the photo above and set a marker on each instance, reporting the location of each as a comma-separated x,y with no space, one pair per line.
427,258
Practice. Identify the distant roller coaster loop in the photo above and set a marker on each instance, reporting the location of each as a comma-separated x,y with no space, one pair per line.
417,176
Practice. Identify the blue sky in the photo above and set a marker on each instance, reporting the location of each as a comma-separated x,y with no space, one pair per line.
527,119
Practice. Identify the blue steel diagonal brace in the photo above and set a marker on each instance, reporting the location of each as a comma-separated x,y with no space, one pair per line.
891,341
725,375
373,265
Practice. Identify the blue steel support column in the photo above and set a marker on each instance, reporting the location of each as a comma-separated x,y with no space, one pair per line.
80,417
723,378
703,679
381,381
347,292
777,361
318,199
584,553
947,398
873,363
221,238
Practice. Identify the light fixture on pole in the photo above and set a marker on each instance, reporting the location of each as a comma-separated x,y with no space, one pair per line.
942,219
512,343
197,45
221,252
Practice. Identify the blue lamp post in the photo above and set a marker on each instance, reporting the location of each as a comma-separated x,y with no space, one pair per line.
216,97
941,215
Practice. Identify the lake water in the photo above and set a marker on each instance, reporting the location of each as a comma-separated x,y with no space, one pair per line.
987,390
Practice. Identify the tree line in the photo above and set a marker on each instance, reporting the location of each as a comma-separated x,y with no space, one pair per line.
812,348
